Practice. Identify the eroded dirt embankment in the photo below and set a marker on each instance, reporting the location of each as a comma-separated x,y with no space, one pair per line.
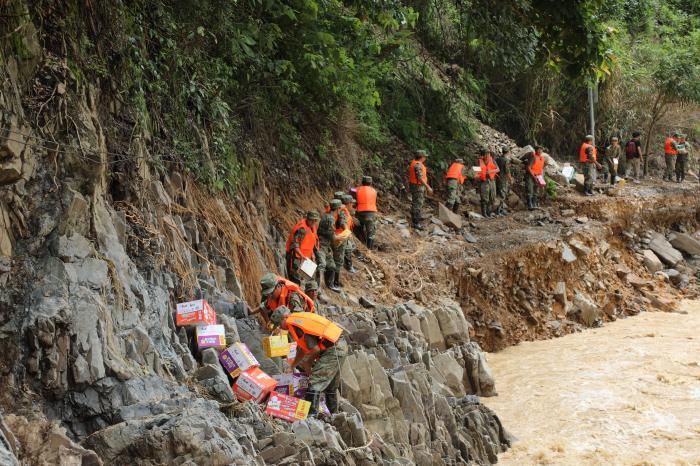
533,275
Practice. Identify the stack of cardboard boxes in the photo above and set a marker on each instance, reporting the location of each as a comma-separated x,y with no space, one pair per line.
282,392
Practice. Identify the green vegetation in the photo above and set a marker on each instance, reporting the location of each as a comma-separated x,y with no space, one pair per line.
220,84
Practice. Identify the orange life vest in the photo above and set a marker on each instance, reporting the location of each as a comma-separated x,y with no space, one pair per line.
283,299
366,199
668,149
309,242
337,215
487,167
455,172
306,323
412,177
582,157
538,165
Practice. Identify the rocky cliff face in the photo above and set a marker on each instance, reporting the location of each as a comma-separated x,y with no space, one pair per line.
95,250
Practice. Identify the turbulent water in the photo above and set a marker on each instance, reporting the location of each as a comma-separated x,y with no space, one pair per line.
627,393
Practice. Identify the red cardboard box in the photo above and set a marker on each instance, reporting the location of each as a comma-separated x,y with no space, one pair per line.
253,384
195,313
287,407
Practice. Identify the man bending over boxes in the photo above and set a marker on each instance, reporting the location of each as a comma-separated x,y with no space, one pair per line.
320,353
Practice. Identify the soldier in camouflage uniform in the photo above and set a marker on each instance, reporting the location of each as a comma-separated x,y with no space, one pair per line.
342,225
418,184
271,287
350,246
311,290
324,255
454,179
295,252
681,159
325,365
503,180
367,211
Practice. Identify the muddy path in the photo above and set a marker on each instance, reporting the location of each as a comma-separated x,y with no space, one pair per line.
627,393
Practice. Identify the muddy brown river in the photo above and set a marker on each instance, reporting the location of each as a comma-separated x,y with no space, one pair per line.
627,394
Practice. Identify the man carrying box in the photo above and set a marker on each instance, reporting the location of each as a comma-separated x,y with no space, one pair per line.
302,244
320,352
276,291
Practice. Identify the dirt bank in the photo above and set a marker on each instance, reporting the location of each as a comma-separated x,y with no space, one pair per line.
628,393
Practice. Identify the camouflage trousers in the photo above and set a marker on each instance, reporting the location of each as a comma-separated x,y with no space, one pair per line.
487,192
590,175
324,257
502,188
349,249
338,255
293,263
681,161
368,228
533,188
325,373
609,169
670,167
417,201
454,191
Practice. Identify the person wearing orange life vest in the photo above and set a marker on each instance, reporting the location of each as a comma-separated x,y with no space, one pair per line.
454,179
670,152
326,238
487,185
588,155
417,185
302,243
277,291
534,184
321,350
350,246
367,210
343,230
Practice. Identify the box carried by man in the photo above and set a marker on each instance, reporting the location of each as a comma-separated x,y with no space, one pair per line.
276,346
197,312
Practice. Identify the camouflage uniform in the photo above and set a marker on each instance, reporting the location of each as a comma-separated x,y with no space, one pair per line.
487,193
368,227
453,193
612,152
324,255
417,196
681,161
350,246
325,373
502,181
670,163
293,261
589,171
339,247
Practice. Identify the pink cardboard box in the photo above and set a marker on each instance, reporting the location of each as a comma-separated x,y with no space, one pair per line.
210,336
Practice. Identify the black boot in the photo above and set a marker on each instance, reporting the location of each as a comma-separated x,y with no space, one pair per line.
330,281
312,397
370,244
332,401
530,204
336,280
483,210
348,265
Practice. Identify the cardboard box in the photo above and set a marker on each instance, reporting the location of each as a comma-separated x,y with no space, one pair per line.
237,358
195,313
286,407
292,384
210,336
254,385
275,346
308,267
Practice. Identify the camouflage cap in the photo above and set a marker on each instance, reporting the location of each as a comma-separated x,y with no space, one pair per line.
422,152
366,179
505,149
339,195
279,315
336,204
268,282
459,160
311,286
677,133
348,199
589,137
312,215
